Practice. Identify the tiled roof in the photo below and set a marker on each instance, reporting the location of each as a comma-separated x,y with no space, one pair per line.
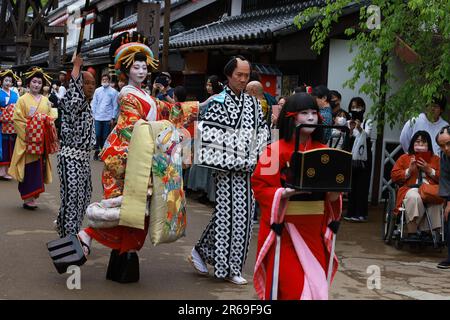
88,48
267,69
253,25
132,20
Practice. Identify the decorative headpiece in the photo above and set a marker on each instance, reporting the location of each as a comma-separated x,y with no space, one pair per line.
124,49
36,72
10,73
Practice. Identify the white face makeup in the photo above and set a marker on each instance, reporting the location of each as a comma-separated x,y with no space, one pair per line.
308,116
7,83
36,86
138,73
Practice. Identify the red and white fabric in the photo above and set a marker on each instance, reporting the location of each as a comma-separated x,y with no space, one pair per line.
41,135
7,120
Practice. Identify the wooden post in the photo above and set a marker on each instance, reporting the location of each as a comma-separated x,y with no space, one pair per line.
4,5
165,57
54,56
148,24
378,161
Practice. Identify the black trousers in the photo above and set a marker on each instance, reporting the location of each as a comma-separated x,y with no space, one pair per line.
358,202
447,237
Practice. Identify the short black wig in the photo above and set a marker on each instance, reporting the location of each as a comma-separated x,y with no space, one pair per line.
295,103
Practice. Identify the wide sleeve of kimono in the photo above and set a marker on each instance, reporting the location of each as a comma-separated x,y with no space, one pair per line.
48,106
74,98
20,118
131,110
266,179
181,114
398,173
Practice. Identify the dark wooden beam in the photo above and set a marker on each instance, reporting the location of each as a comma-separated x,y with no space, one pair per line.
3,18
38,19
148,24
12,17
22,13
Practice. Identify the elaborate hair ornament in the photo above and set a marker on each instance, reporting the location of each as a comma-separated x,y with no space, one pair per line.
125,55
36,70
9,72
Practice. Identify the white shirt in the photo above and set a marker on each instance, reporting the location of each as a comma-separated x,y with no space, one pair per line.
61,92
104,104
418,124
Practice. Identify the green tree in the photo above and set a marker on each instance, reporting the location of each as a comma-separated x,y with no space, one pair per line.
422,26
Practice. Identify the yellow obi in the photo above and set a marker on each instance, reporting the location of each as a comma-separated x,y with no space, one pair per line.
297,208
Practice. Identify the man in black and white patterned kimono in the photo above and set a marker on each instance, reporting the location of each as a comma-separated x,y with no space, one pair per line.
231,135
77,141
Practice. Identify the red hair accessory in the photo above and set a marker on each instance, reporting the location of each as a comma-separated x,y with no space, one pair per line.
291,114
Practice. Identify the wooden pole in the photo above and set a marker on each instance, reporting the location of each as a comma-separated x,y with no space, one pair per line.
165,56
83,24
378,161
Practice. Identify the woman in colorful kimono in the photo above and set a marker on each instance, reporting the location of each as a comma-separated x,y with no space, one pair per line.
8,100
300,218
132,57
29,166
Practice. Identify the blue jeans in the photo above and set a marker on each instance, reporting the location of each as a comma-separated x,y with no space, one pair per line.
102,130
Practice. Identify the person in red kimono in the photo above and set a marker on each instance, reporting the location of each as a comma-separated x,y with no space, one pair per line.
296,267
411,170
132,57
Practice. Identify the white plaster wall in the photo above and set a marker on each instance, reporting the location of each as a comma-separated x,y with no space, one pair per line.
340,59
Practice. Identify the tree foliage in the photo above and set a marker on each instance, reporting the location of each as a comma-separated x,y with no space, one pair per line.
424,25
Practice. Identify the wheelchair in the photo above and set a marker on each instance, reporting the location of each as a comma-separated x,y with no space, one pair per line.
394,226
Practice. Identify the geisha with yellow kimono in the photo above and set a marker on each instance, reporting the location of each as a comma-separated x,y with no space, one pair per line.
138,111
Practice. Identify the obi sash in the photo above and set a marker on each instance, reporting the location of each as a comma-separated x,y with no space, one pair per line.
41,137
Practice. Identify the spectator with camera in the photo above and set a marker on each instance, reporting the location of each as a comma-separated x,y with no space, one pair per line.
162,89
361,129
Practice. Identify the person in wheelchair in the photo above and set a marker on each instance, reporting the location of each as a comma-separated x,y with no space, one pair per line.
411,171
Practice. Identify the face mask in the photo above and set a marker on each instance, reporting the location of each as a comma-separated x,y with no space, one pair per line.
105,85
421,148
357,115
332,104
341,121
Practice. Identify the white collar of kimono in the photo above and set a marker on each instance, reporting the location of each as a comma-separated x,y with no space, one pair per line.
151,116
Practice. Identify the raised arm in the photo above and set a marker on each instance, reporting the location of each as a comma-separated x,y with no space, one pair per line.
74,98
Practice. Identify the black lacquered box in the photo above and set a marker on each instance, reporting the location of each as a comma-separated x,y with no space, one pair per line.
320,170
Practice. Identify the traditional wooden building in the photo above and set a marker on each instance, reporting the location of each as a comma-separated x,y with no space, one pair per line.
22,30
